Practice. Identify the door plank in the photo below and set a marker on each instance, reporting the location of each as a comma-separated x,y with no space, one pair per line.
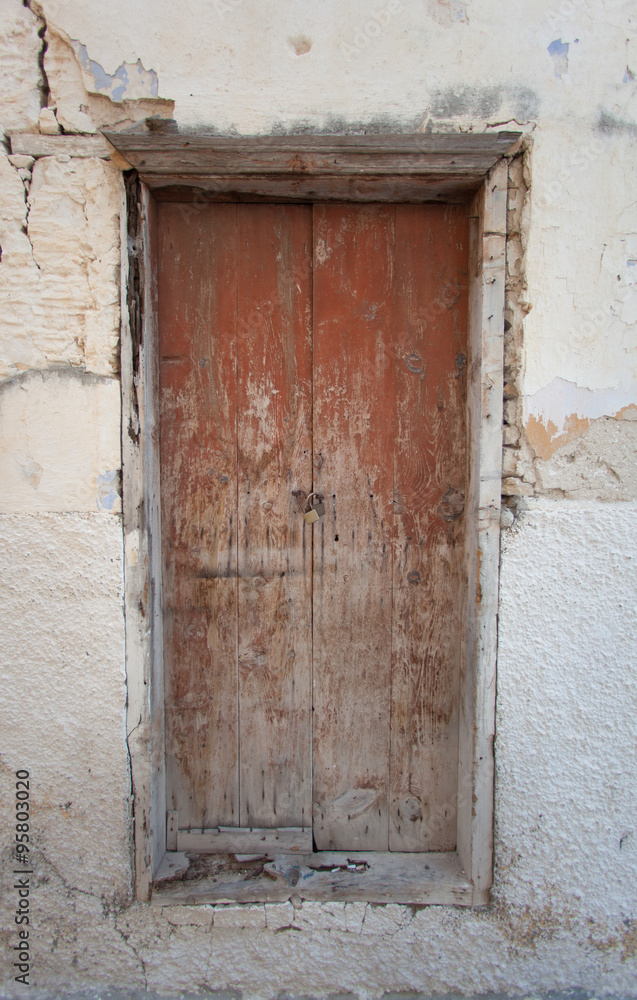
197,335
275,457
430,485
353,315
242,840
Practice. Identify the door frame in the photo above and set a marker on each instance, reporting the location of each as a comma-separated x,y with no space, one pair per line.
162,163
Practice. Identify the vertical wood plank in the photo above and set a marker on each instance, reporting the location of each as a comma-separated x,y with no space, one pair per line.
430,488
197,331
477,701
274,449
353,310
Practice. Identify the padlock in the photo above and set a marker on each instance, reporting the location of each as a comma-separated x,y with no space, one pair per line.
314,510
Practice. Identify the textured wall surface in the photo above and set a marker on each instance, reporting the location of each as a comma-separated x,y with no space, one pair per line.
19,68
50,460
566,839
59,295
563,906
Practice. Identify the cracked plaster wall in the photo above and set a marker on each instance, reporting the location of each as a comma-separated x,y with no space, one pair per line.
563,911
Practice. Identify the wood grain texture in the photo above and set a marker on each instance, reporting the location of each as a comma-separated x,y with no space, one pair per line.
139,519
241,840
353,388
274,456
264,163
365,187
333,342
477,705
370,876
391,168
166,150
197,330
430,319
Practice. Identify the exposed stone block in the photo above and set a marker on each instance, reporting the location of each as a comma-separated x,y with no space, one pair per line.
511,435
59,281
19,70
48,123
512,487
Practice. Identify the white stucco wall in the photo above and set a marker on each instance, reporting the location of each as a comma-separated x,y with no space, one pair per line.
566,844
563,910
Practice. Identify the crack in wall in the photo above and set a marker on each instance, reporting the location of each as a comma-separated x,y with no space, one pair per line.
26,176
109,906
45,90
126,939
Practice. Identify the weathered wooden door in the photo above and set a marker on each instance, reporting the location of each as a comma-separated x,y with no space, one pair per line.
312,670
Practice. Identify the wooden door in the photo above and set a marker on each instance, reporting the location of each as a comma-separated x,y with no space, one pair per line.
312,670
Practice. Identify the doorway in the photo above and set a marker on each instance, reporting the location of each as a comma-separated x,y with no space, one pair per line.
312,671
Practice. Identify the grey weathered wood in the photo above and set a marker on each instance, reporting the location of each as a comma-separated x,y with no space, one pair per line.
477,707
32,144
172,864
172,827
136,544
311,167
142,532
149,439
374,877
263,162
163,149
201,188
244,840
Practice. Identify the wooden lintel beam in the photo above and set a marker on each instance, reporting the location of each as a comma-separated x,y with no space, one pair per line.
314,164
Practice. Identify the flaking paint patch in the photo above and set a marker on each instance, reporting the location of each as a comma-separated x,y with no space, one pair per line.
558,50
80,106
107,490
547,438
562,411
599,464
130,80
31,470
